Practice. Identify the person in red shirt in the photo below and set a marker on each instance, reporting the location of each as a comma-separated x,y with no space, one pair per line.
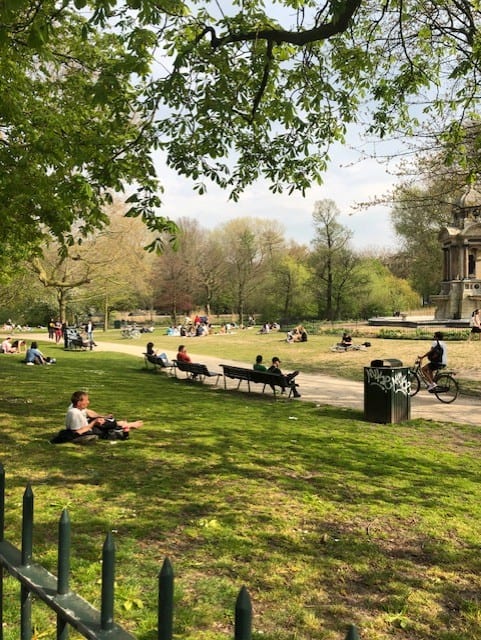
182,355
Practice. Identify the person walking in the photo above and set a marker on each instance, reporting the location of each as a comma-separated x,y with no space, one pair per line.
89,328
475,325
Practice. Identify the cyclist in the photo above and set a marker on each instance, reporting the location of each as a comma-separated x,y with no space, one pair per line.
438,359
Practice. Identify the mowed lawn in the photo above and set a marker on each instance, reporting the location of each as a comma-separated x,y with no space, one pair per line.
325,518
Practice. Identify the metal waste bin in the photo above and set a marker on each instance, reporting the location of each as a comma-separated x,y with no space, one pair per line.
117,324
386,391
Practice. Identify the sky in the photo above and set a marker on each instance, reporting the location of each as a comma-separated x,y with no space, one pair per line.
349,180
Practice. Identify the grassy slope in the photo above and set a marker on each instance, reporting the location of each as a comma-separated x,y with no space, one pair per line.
326,519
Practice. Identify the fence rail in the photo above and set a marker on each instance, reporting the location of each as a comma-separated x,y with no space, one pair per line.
71,609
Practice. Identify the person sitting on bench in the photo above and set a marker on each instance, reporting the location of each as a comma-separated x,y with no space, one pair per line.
288,379
258,366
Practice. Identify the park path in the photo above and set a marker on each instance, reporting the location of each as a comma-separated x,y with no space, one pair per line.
330,390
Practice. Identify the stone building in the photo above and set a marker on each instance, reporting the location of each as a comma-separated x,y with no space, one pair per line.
461,244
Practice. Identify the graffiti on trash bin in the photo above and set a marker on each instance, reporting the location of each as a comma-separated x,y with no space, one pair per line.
397,382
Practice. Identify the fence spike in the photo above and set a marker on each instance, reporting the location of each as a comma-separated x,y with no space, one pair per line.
165,609
108,578
63,562
2,502
243,616
27,526
352,633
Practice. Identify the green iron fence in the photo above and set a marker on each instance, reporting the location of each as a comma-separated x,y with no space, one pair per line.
71,609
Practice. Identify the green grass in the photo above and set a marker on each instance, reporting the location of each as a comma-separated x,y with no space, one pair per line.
327,519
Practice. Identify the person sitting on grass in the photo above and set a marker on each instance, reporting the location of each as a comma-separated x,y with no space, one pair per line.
82,422
346,340
288,379
258,366
35,356
7,346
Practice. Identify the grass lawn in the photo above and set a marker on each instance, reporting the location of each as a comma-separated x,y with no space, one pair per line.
327,519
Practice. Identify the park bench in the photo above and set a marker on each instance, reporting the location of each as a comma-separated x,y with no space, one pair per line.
159,363
74,339
195,371
265,378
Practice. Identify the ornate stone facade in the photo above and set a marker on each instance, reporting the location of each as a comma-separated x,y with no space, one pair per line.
461,243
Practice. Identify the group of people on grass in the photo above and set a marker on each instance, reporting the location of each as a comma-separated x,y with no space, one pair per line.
33,354
9,346
298,334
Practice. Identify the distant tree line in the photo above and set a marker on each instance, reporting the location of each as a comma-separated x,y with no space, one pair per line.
242,267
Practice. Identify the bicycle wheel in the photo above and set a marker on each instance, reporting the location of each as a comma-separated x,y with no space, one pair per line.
447,388
414,381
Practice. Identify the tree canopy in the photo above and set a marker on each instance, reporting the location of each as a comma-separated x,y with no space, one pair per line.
230,94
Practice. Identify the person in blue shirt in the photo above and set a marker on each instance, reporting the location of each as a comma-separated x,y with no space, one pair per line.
35,356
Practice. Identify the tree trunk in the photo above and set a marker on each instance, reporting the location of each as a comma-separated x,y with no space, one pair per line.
106,312
62,304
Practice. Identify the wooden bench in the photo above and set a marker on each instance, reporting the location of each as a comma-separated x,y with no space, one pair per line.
195,371
265,378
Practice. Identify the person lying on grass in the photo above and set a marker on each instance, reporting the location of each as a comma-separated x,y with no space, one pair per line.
83,424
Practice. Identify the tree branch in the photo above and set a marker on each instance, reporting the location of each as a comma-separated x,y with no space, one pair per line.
338,24
265,77
52,282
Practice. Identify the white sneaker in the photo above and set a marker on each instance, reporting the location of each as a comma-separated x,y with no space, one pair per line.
29,364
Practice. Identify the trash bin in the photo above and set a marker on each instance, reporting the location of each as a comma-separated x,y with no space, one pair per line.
386,391
117,324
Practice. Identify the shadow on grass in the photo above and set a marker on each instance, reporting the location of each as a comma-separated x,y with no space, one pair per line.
326,518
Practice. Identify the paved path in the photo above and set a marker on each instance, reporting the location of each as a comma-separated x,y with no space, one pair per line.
330,390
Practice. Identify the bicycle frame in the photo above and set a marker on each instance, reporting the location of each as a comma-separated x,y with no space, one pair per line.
448,388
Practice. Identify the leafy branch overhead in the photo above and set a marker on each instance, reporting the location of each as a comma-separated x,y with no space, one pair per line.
96,93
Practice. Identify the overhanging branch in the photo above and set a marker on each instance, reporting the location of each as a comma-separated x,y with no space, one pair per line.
339,23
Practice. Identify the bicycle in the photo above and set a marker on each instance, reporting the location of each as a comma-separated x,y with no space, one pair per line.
447,387
130,332
351,347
